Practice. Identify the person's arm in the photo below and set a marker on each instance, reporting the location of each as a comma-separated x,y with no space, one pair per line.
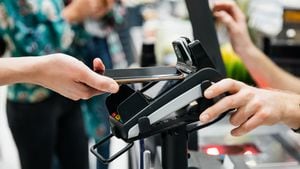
61,73
264,71
79,10
254,106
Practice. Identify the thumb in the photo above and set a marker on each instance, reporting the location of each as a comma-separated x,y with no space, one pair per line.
98,66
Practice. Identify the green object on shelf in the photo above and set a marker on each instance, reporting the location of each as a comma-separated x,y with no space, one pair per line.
234,66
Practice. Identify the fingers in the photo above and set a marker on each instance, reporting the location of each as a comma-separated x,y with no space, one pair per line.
244,113
82,91
89,92
223,86
105,82
247,126
99,82
98,66
237,98
223,105
239,117
231,8
226,19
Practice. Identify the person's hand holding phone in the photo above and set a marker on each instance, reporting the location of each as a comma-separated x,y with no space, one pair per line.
71,77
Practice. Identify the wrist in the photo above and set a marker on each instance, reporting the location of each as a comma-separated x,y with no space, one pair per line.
245,49
36,69
291,112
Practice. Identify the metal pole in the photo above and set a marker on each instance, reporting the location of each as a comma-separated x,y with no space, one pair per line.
174,149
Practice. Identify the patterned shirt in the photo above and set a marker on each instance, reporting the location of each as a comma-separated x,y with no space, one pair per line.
34,28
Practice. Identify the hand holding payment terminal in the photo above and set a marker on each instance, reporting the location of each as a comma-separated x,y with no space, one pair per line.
135,115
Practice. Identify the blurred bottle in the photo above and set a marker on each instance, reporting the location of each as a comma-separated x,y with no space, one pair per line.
148,57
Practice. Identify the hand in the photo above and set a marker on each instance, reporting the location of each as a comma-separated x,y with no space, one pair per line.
71,78
79,10
254,106
101,7
228,13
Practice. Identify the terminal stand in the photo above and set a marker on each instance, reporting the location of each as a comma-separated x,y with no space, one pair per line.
134,115
174,148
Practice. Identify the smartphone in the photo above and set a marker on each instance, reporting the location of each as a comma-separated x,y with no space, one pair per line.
144,74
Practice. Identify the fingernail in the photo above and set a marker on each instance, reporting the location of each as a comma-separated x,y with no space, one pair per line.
208,93
237,133
241,133
113,88
204,118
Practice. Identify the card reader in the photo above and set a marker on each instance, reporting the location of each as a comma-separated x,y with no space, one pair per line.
135,115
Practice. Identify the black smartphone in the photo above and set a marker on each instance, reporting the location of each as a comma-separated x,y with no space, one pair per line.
144,74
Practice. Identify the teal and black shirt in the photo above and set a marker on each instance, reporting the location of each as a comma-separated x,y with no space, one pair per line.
34,28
